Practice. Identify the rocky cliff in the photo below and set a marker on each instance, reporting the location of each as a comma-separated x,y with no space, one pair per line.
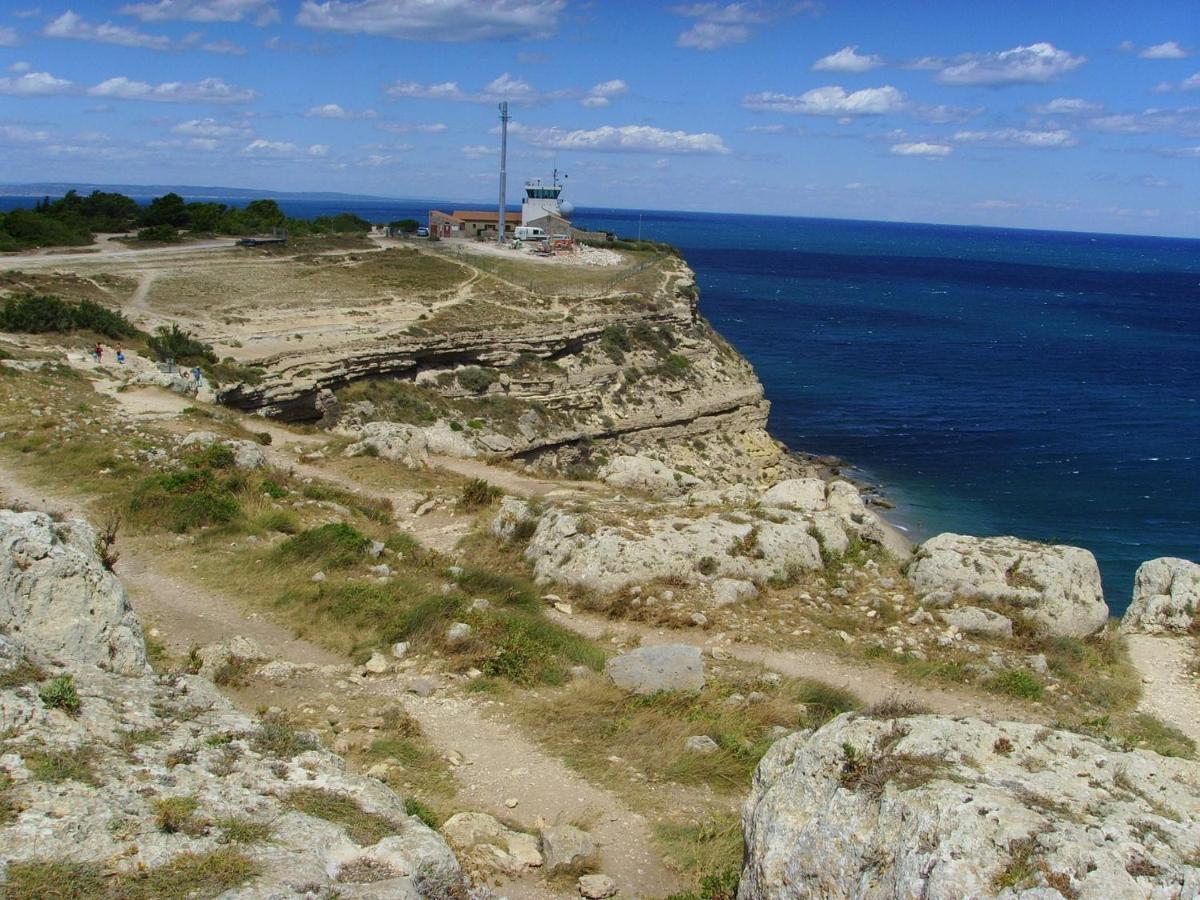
549,379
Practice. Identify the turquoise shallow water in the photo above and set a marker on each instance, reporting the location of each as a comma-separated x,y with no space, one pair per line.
1041,384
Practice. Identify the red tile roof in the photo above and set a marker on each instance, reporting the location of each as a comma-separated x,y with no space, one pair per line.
479,215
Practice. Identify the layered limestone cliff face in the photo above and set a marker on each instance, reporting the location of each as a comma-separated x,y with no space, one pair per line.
554,380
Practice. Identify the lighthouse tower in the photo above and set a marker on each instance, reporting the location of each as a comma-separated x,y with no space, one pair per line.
542,200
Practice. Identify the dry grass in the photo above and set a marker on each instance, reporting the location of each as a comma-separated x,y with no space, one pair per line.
363,827
188,875
589,721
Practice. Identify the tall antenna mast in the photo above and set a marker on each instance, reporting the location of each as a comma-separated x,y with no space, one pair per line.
500,219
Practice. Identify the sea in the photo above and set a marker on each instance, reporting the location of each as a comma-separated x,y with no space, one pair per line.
990,381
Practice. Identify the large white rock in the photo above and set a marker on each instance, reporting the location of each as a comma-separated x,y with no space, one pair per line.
150,737
607,558
641,473
648,670
943,809
1056,585
1166,597
247,454
394,441
511,515
442,439
797,493
57,597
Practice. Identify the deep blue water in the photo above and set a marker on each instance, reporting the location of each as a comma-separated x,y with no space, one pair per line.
1041,384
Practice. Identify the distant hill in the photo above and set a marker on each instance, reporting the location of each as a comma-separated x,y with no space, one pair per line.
191,192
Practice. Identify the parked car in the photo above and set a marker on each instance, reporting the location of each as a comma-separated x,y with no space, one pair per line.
422,231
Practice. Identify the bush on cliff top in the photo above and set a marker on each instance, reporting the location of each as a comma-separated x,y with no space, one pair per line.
39,313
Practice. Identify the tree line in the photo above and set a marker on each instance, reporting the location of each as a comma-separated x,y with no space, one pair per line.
73,220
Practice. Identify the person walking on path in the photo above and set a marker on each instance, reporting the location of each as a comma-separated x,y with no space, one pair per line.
121,355
99,352
196,374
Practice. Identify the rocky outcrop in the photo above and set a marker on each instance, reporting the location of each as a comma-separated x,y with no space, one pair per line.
1055,585
1166,597
58,599
391,440
649,476
605,558
123,773
927,806
984,622
648,670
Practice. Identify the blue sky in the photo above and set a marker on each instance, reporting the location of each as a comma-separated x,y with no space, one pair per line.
1068,115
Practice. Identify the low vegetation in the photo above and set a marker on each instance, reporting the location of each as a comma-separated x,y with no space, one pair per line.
363,827
186,875
38,313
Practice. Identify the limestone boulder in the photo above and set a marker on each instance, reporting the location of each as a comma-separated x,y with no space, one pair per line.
491,846
512,514
566,547
642,473
1166,597
982,622
648,670
198,439
1055,585
219,660
172,381
728,591
57,597
394,441
247,454
566,848
440,438
940,808
797,493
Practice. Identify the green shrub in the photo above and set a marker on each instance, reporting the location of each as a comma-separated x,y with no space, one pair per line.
60,693
38,313
273,489
476,379
331,546
1017,683
419,810
161,233
55,766
477,494
614,341
181,346
182,500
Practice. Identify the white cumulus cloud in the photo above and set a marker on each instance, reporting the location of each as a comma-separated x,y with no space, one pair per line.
209,90
603,93
830,101
1166,50
1018,137
227,48
1069,106
478,151
624,138
263,12
1032,64
723,24
14,134
848,59
75,27
443,20
209,128
922,148
336,111
8,37
35,84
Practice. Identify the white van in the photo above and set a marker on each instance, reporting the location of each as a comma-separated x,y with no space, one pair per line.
529,233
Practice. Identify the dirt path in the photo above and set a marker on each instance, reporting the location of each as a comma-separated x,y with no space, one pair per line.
870,683
137,301
500,763
107,253
1168,690
186,613
512,482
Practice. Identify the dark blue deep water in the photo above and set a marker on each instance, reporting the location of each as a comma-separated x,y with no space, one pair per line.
1041,384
